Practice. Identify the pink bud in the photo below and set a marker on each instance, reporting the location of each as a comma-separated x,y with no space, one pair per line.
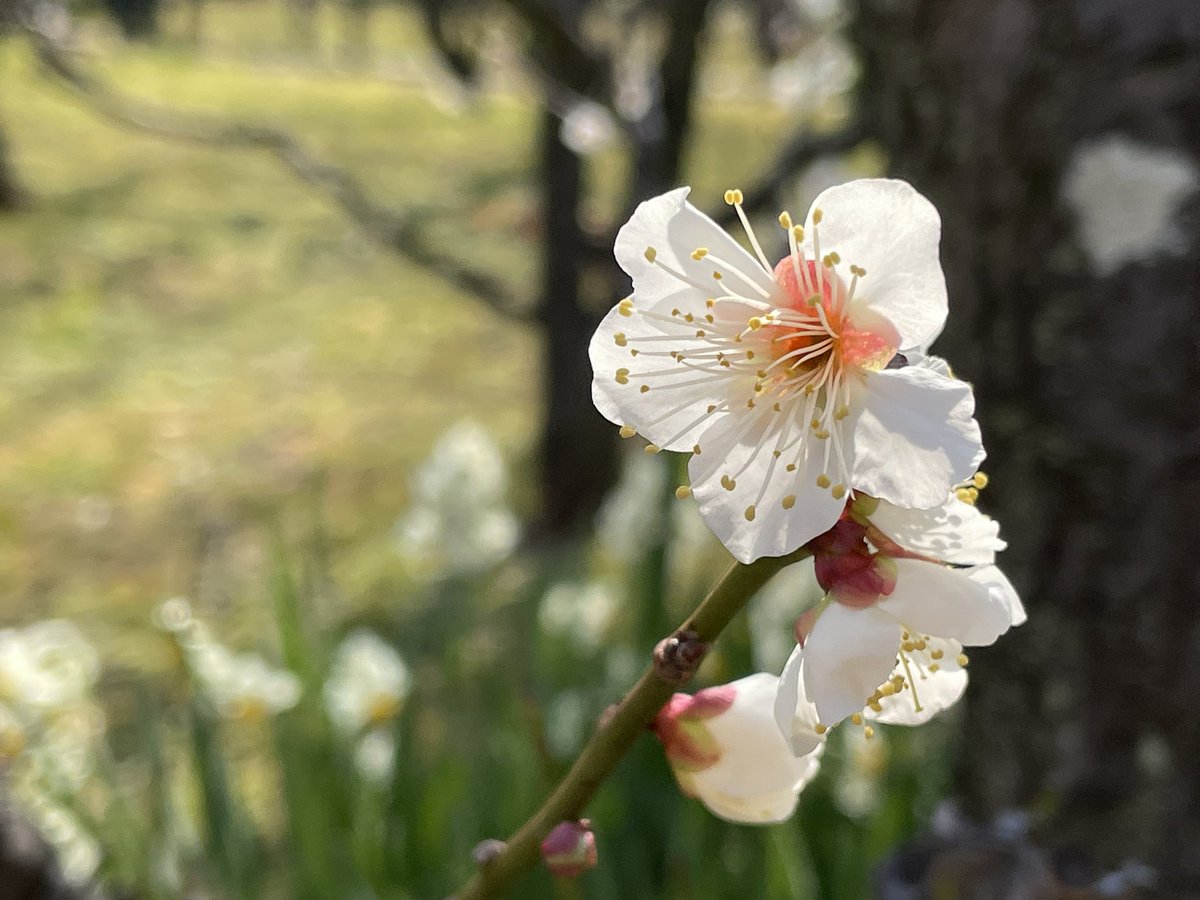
847,569
570,848
680,726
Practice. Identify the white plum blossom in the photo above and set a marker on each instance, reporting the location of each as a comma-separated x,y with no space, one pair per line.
47,665
787,383
906,590
367,685
459,520
727,751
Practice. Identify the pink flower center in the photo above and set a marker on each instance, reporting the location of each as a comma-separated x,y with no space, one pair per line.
848,570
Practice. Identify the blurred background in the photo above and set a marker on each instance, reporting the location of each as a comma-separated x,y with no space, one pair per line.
317,565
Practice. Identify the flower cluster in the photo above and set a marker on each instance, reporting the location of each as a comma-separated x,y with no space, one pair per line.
814,416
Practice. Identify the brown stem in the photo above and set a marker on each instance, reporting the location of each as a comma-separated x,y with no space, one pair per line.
616,736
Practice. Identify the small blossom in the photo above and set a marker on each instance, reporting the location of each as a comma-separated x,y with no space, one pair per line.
242,686
570,849
375,756
580,612
47,665
459,519
726,750
887,641
781,381
368,683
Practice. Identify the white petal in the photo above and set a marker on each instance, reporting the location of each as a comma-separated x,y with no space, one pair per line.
761,480
914,435
943,602
848,654
1002,591
675,228
936,690
954,532
890,230
795,714
757,778
671,417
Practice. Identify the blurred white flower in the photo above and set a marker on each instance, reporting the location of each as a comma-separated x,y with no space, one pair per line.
77,852
242,686
367,685
47,665
587,128
726,750
459,520
375,756
857,790
580,612
806,83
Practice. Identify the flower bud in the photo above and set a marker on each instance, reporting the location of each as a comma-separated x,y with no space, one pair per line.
570,848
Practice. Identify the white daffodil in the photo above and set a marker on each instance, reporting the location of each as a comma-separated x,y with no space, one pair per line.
242,686
368,683
890,632
726,750
781,381
459,519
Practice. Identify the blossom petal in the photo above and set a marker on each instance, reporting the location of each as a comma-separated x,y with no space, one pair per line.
847,656
757,777
671,414
936,600
890,230
954,532
788,508
675,228
914,436
937,689
1002,591
795,714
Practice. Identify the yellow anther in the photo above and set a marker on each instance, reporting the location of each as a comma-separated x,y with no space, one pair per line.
817,216
708,317
632,352
749,354
965,495
683,492
887,689
798,233
935,667
875,706
839,491
699,253
789,501
980,480
651,254
835,257
699,333
717,275
711,408
814,424
823,481
750,403
627,431
710,302
841,412
936,654
856,719
675,311
820,729
625,307
688,317
962,660
620,339
651,449
791,467
622,376
696,449
728,483
785,219
908,646
749,513
755,323
821,434
868,732
733,197
778,408
898,682
645,389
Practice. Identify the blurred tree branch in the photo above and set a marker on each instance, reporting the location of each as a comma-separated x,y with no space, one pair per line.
401,231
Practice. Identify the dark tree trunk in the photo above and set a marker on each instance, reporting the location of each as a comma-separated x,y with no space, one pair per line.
138,19
1041,129
12,196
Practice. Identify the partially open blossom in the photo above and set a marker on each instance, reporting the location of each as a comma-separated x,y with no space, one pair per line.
727,751
886,643
570,849
787,382
242,686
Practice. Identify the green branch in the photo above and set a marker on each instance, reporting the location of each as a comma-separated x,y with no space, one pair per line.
615,737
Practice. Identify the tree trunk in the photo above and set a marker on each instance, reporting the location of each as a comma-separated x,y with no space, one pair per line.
1060,139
